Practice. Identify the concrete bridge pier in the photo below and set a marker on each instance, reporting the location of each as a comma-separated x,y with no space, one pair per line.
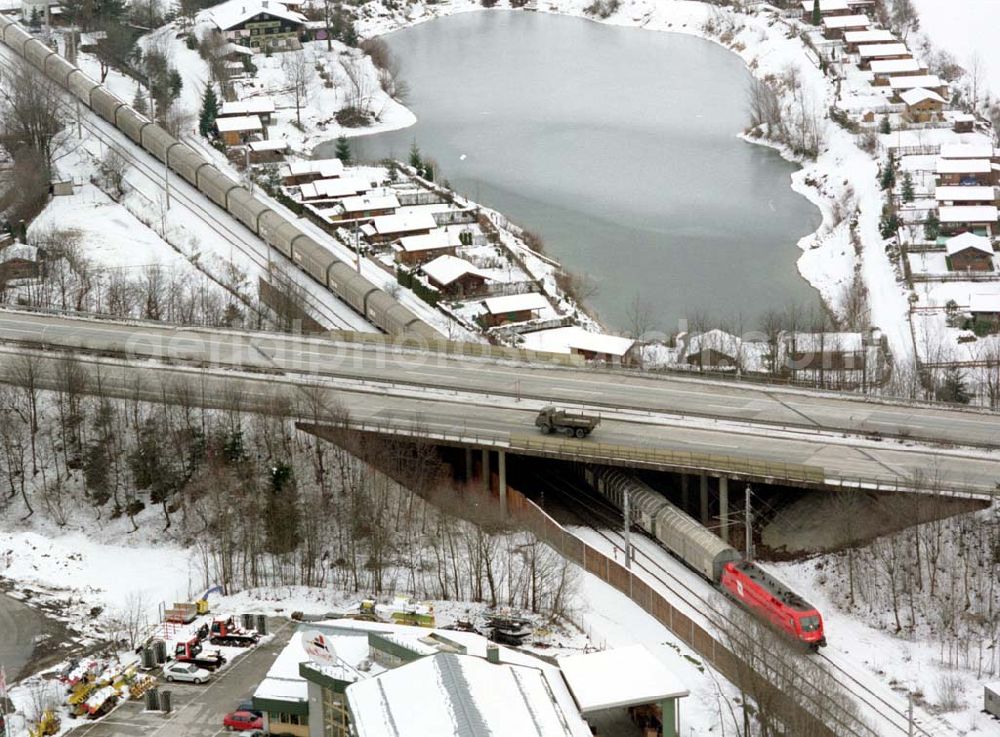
724,508
486,469
469,470
685,497
704,498
502,474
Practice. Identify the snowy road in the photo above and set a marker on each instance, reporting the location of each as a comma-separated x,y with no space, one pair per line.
19,624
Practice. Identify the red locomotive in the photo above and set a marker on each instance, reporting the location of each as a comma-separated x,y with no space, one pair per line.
767,597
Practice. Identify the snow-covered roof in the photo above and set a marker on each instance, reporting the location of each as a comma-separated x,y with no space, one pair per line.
984,303
922,80
325,168
879,51
250,106
963,166
625,676
272,144
968,214
230,14
871,36
846,21
968,240
982,150
918,95
328,188
403,223
370,201
448,695
825,6
575,338
960,117
826,342
895,66
515,303
283,682
964,194
447,268
238,123
433,241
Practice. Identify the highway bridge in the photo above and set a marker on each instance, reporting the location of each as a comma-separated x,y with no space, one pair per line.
486,398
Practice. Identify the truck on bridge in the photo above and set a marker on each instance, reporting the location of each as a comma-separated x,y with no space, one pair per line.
551,420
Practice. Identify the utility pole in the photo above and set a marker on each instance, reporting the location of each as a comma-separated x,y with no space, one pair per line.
627,516
166,181
909,717
748,525
79,123
357,247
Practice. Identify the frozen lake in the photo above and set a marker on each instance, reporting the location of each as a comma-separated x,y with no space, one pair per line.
618,146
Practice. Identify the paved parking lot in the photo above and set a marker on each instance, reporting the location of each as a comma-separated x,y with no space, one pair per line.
197,710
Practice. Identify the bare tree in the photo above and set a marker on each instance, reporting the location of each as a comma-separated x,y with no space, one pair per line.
905,18
31,111
299,73
113,167
359,89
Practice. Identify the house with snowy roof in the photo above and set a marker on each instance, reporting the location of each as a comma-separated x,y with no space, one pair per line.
968,195
932,82
262,107
883,69
413,250
303,172
513,308
239,129
835,26
867,53
827,8
985,307
978,219
965,172
592,346
969,252
454,276
388,228
922,105
855,39
824,351
258,24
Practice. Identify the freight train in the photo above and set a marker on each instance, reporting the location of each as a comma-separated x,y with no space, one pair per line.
703,551
377,306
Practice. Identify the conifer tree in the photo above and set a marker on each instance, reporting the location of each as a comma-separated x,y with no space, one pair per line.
209,111
343,150
816,15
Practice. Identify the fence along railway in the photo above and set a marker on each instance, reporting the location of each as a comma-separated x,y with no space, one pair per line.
373,303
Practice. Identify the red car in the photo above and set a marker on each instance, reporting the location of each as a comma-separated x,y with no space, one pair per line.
243,721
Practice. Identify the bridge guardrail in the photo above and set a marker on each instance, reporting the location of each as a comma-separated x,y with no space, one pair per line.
739,465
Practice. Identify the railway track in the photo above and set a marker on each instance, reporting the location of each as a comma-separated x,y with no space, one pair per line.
109,136
595,513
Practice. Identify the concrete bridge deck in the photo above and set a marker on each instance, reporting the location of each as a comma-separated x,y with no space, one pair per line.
725,429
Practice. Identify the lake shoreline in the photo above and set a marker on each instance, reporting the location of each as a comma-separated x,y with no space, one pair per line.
661,235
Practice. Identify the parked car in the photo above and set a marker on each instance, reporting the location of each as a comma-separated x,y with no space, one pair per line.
243,721
247,705
185,672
